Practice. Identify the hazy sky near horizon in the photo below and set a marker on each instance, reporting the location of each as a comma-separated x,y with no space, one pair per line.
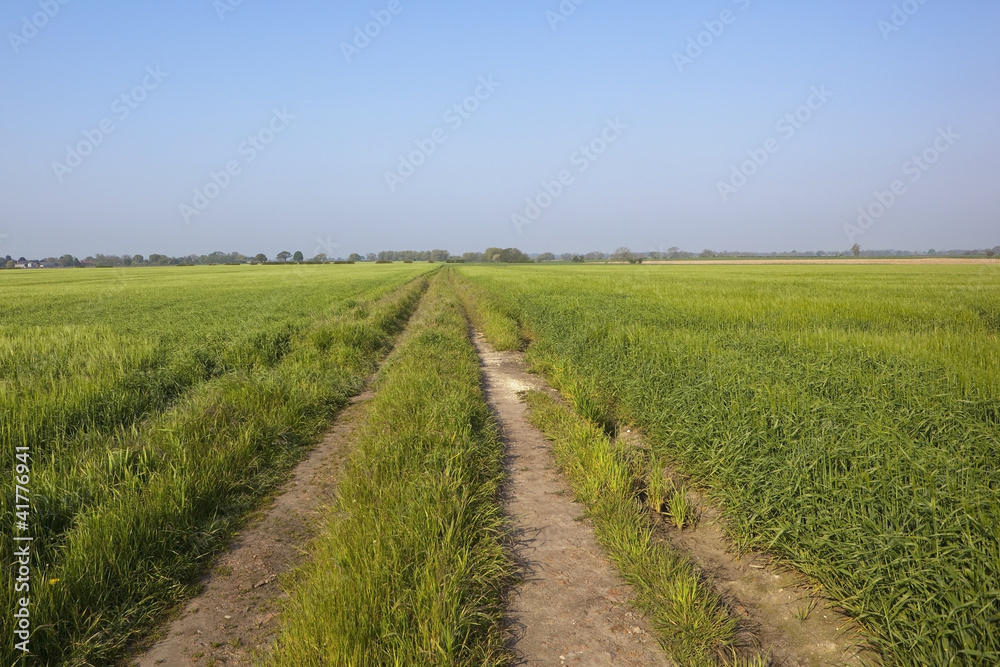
199,125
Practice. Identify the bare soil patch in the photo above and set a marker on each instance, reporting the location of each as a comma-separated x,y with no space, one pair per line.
236,614
572,608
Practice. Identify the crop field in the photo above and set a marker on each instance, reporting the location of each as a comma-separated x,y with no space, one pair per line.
847,419
156,407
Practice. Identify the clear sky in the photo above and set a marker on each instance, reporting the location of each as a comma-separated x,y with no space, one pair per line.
321,147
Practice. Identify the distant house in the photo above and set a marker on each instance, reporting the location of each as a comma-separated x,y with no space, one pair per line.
34,264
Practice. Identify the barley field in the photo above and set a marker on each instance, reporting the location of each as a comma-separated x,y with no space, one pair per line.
847,419
157,407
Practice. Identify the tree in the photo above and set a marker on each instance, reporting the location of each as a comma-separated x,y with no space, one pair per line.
856,249
137,259
578,259
439,255
471,257
355,257
991,252
298,257
622,254
546,257
284,255
513,256
505,256
68,260
11,264
707,253
260,257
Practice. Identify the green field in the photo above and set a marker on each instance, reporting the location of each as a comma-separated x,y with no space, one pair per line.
158,407
846,418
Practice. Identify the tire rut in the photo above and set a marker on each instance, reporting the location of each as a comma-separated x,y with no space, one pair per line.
235,616
572,608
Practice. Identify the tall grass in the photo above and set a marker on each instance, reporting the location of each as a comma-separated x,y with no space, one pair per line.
845,417
94,351
127,509
410,569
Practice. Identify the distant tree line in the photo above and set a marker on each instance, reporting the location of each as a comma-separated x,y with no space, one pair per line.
413,256
500,255
490,255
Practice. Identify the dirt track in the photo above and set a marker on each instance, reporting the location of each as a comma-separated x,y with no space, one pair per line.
236,615
573,607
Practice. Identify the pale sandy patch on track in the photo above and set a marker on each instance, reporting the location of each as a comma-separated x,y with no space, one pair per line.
573,607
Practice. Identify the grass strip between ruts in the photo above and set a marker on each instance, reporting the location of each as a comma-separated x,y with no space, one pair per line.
411,567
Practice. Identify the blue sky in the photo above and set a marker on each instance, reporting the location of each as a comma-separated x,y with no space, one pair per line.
674,127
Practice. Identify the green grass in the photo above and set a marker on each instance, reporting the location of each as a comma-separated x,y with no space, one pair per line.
493,314
845,417
147,449
411,567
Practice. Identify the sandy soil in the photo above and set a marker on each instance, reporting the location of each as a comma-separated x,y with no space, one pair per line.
236,614
573,608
